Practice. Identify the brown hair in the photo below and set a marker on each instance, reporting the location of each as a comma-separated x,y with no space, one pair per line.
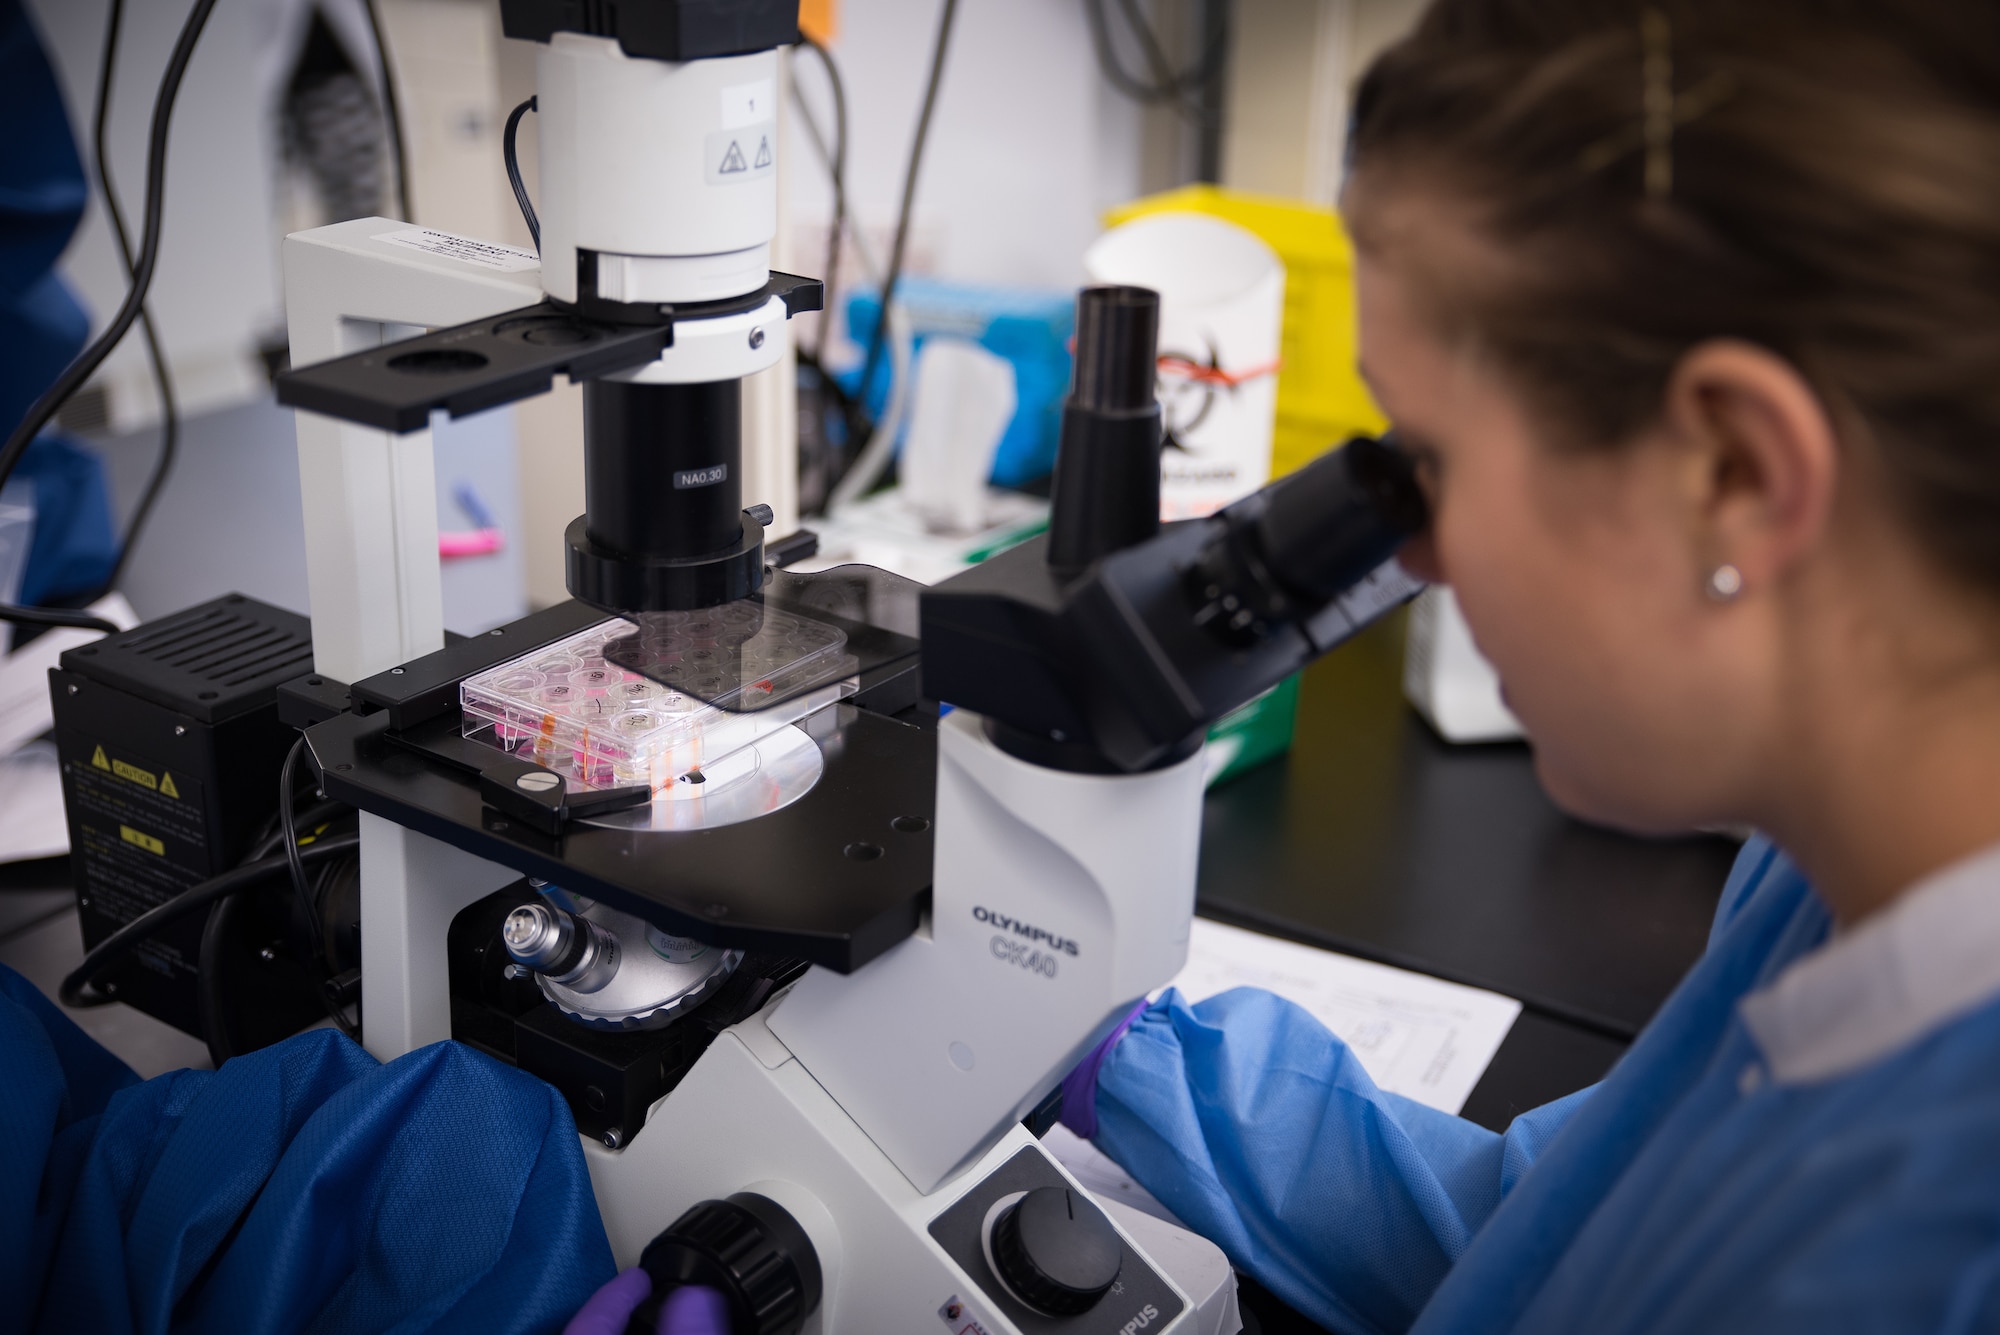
1820,177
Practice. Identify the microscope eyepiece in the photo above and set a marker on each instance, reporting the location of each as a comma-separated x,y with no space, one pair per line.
1117,336
1304,542
1106,490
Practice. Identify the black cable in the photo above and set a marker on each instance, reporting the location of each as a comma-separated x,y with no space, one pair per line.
54,616
894,275
92,357
854,419
294,857
514,171
321,884
216,1030
312,818
119,944
170,425
392,112
1165,80
1167,85
837,169
1107,58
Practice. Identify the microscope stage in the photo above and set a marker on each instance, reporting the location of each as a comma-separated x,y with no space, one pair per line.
819,844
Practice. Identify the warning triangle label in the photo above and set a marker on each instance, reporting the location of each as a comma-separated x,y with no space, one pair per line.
763,152
732,161
99,761
167,788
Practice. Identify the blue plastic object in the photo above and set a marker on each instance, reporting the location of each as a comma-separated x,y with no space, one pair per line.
1031,329
74,546
42,328
303,1187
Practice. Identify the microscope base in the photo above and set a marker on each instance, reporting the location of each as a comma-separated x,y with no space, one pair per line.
750,1118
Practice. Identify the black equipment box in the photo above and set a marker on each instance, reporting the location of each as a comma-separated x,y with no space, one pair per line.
170,746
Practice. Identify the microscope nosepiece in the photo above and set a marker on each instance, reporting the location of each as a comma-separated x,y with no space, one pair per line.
610,970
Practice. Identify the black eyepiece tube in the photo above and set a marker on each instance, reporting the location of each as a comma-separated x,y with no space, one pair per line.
1106,492
1117,338
1307,539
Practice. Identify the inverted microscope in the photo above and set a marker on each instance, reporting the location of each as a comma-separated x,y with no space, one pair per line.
807,952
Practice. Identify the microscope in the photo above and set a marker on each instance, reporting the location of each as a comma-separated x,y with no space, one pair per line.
807,952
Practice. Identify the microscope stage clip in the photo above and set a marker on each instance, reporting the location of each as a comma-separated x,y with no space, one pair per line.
539,796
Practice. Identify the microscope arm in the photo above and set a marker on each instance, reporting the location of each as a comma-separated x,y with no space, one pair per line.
1059,899
371,512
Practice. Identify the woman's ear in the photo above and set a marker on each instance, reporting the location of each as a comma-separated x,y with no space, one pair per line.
1762,459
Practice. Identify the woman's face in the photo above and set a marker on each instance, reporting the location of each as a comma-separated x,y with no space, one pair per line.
1574,570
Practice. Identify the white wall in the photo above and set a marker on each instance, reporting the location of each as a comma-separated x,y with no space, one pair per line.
1027,149
1292,77
1030,145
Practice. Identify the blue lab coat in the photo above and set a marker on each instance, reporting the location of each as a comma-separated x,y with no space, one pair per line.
303,1187
42,328
1687,1192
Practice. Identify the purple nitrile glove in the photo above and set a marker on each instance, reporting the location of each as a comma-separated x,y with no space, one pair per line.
612,1306
694,1310
1079,1087
687,1311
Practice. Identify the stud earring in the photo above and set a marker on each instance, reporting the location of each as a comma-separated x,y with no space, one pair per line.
1724,583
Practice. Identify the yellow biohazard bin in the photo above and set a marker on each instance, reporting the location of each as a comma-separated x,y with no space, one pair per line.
1321,400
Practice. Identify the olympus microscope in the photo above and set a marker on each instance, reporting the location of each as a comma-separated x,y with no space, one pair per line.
807,955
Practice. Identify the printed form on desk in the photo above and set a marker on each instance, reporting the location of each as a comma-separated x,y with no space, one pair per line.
1417,1036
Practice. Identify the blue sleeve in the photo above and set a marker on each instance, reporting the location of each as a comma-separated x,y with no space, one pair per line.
56,1084
1260,1129
302,1187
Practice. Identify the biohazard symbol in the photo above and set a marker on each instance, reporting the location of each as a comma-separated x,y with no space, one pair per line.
98,760
167,788
763,152
732,161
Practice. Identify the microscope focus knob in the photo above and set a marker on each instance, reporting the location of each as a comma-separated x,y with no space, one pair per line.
1057,1251
750,1249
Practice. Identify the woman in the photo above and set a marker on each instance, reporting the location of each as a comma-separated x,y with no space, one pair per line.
1691,315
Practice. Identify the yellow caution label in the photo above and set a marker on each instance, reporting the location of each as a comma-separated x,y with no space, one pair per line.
167,788
140,839
99,761
134,774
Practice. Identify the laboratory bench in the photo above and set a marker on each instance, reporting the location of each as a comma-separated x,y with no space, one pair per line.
1372,837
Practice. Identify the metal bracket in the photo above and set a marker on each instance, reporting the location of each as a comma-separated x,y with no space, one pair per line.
538,795
503,359
469,367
